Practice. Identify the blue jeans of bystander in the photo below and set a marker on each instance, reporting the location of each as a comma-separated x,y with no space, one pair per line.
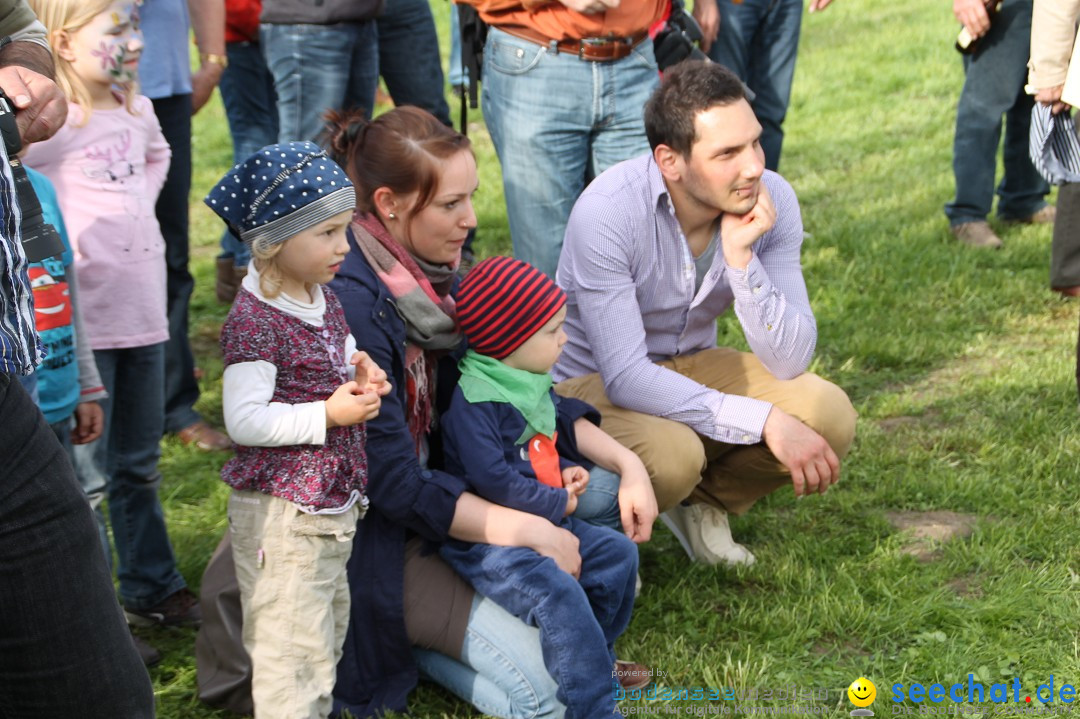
557,122
247,90
127,454
994,86
318,68
758,41
409,59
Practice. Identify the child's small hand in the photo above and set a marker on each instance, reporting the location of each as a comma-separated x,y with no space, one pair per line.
369,375
575,479
350,404
89,422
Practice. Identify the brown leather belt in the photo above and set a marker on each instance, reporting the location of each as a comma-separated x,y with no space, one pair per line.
593,49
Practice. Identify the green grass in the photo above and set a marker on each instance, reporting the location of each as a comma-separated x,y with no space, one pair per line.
959,362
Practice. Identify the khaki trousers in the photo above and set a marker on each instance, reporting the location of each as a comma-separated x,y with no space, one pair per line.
683,463
295,597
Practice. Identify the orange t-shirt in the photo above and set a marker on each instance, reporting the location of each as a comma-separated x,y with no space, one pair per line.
552,19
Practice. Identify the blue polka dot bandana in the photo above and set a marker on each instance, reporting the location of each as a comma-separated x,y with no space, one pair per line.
280,191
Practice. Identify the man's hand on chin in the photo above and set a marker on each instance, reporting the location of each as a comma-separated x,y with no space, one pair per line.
813,464
738,233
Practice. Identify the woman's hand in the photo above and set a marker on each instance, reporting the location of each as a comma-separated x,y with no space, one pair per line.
478,520
560,545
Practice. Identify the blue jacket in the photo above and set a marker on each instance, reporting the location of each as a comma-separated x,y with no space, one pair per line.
376,671
481,446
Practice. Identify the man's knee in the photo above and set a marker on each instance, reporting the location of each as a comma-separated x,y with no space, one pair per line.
675,459
827,410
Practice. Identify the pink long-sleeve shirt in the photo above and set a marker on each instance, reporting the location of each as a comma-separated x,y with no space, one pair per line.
108,174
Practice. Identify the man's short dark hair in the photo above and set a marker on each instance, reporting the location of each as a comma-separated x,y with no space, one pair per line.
690,87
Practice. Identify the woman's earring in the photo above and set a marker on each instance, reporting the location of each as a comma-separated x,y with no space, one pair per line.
392,216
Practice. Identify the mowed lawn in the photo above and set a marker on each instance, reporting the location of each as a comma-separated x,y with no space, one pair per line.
959,361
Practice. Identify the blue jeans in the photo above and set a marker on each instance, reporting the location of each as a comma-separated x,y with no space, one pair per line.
247,90
600,503
579,619
318,68
457,74
409,59
181,387
501,671
64,647
94,491
127,454
994,86
556,123
758,41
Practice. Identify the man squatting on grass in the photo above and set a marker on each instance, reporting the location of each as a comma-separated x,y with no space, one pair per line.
656,249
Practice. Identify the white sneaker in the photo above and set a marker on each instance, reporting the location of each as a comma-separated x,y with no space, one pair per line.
704,534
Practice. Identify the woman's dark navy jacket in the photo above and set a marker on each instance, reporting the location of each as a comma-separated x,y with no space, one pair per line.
376,671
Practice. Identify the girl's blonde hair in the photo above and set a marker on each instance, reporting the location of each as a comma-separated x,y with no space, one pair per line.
69,16
270,275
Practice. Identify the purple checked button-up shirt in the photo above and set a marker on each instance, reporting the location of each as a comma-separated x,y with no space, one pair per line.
629,279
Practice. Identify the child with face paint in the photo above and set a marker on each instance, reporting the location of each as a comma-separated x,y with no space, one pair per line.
108,165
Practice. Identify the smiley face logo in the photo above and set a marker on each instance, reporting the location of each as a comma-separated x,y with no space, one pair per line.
862,692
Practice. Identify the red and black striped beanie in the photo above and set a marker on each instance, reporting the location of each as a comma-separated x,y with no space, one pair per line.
502,302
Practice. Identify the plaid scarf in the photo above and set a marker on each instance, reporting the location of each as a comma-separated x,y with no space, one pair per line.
421,292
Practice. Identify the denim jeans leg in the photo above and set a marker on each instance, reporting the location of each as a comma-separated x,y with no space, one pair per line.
64,647
759,41
623,88
541,127
994,76
318,68
1022,191
128,451
578,620
600,503
93,488
501,671
409,60
181,387
456,74
247,91
364,66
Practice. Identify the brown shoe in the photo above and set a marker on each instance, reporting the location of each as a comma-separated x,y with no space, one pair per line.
977,234
632,675
1044,216
228,279
179,609
205,437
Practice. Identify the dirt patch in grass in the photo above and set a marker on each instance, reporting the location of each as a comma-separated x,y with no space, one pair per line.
967,587
926,531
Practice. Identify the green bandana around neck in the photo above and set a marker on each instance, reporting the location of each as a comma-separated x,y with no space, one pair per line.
485,379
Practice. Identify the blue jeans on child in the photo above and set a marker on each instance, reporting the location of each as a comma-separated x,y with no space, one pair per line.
247,91
579,619
127,454
318,68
